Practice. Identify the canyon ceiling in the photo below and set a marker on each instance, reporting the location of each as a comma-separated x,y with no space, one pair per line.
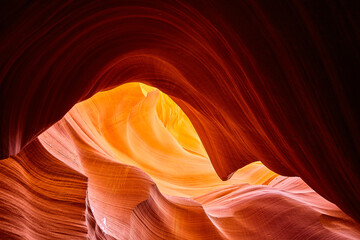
179,119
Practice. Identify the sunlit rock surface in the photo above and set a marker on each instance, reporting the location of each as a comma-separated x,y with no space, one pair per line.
146,130
146,175
268,81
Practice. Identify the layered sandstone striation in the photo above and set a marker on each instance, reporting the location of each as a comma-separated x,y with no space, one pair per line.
264,88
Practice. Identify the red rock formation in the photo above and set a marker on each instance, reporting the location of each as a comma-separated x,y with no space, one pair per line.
270,82
41,197
107,142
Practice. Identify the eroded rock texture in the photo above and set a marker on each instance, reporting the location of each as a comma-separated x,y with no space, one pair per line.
261,81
